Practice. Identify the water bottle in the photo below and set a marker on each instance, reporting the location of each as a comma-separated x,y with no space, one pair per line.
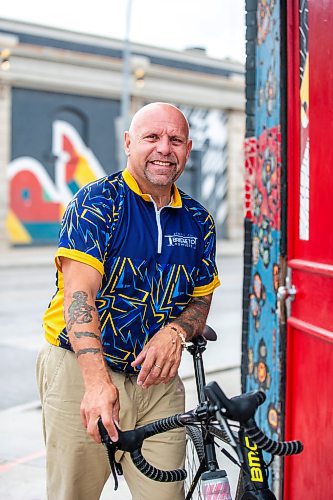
215,485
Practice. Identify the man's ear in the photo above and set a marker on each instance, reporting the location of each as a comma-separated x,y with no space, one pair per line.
189,147
127,142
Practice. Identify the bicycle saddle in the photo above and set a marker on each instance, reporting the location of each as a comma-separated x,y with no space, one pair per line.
208,334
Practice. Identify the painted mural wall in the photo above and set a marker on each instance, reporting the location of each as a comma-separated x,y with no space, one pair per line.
51,159
61,142
261,366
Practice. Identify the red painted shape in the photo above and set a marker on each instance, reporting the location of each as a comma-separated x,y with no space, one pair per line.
71,165
250,155
27,199
268,176
309,365
262,177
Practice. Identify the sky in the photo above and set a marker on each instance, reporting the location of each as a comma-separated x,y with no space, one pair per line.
217,25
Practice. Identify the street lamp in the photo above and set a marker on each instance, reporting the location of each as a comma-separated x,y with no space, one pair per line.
7,42
139,66
125,98
132,66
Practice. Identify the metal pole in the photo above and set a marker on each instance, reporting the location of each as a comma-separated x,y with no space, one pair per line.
125,98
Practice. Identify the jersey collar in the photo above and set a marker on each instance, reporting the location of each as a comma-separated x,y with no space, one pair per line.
176,200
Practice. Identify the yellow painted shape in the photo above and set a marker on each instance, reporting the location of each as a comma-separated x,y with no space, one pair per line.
16,230
62,209
83,172
304,95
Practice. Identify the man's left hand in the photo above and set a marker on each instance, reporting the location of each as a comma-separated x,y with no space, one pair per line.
159,359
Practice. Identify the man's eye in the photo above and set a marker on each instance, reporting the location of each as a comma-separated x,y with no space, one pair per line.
152,137
176,140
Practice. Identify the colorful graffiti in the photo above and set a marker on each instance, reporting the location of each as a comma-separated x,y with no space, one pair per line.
264,18
40,193
250,159
37,203
262,207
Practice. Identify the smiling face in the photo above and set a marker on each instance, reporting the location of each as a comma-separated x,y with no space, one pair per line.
157,147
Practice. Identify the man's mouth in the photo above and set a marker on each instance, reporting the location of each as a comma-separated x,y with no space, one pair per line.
162,163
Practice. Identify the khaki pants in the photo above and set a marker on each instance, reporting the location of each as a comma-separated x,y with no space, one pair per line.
77,467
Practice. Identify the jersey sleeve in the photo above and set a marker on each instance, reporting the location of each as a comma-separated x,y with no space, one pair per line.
84,230
207,279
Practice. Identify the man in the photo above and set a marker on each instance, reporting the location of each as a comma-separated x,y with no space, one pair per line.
136,272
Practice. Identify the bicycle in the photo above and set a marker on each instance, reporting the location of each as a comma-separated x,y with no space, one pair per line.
208,422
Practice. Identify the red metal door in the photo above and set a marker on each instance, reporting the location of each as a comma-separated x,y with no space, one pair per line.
309,374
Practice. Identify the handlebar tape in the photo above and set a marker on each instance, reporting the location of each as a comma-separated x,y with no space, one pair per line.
281,448
164,476
163,425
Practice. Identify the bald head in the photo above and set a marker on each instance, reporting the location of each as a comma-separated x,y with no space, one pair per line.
157,146
162,110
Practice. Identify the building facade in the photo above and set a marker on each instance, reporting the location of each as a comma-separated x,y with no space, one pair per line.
62,118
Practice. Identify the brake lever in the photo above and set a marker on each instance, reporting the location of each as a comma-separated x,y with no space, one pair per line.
111,449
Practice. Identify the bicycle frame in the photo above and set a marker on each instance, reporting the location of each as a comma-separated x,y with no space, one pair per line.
252,466
254,474
213,414
196,349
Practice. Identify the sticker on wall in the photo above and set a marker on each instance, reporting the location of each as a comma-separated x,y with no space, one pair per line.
273,417
257,299
304,214
261,371
265,239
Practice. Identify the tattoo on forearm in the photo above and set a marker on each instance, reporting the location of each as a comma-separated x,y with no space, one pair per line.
92,335
193,318
79,311
89,350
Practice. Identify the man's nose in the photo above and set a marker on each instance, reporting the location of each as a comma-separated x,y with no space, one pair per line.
164,145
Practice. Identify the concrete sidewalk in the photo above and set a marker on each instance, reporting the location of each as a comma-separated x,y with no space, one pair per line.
22,473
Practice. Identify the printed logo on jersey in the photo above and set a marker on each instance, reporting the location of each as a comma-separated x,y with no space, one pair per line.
181,240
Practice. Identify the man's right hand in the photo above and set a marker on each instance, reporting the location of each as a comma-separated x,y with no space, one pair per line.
101,401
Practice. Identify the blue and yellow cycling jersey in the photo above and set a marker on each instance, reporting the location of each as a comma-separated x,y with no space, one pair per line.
152,262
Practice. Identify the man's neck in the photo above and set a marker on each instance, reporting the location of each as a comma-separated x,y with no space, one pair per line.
161,200
160,194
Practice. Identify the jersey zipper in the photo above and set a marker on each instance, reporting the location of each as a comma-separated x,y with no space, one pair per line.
159,227
159,231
